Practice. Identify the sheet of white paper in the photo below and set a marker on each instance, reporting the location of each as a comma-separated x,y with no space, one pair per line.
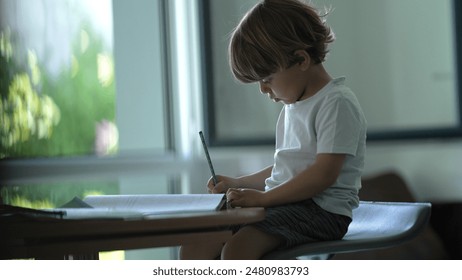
156,203
138,206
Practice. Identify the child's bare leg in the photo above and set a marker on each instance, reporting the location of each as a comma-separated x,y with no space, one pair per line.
201,251
249,243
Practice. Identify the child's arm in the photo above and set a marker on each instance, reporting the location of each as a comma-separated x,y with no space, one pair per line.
253,181
311,181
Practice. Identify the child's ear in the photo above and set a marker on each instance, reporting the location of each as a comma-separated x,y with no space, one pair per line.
304,59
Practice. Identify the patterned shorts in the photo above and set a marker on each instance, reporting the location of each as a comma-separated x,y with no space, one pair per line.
302,222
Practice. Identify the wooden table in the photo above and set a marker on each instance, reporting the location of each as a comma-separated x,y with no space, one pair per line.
48,238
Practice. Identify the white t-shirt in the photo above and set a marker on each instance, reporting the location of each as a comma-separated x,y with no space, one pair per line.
331,121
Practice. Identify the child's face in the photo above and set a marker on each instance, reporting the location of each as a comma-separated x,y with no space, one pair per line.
287,86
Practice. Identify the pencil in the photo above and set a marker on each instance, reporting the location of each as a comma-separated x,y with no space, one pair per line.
209,161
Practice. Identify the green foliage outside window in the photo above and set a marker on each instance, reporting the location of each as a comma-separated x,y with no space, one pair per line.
67,113
42,115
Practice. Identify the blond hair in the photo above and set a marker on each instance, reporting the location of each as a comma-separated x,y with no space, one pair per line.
268,35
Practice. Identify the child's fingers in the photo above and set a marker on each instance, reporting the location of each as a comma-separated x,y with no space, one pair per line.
220,187
233,195
210,185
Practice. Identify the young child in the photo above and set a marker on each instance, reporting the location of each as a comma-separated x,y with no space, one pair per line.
310,190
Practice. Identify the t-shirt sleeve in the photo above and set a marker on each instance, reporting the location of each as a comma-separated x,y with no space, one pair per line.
338,126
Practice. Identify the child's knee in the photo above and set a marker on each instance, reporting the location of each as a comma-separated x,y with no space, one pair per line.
240,246
249,243
231,250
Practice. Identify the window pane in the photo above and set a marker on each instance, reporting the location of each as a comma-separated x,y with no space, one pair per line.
58,54
57,94
255,122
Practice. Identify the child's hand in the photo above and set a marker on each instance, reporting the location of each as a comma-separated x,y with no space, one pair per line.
224,183
245,197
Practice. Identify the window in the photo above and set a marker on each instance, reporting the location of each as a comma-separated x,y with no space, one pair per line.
57,90
57,82
118,116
